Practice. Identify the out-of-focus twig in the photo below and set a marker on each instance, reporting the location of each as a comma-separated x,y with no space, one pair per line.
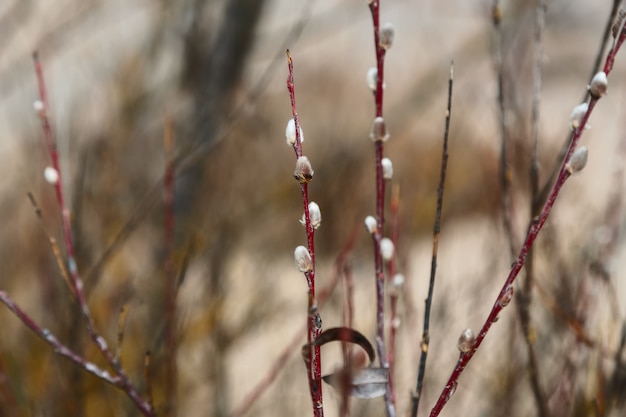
433,263
524,297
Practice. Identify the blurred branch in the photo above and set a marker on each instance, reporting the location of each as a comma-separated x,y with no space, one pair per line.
541,197
120,381
433,263
524,297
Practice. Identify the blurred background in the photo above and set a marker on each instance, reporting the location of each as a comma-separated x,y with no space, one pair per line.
127,79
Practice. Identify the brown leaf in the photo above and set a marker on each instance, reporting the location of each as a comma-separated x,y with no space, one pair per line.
348,335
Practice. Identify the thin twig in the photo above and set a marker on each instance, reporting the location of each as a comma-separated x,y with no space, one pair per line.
524,298
148,378
374,7
505,294
169,269
346,348
191,155
75,280
541,197
506,173
296,341
394,208
121,326
54,246
59,348
313,362
433,264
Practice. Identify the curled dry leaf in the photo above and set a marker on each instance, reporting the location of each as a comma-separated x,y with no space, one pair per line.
362,382
366,383
348,335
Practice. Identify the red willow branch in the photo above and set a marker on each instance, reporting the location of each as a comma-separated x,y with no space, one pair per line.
118,381
305,257
296,341
571,164
53,176
383,39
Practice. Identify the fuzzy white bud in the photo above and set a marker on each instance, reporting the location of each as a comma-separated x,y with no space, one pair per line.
303,259
387,249
466,341
387,168
51,175
386,35
379,130
372,78
371,224
577,114
577,161
304,171
315,215
398,280
599,85
38,106
290,132
506,296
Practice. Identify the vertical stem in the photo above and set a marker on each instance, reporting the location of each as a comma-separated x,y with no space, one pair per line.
170,275
505,165
75,279
524,298
312,356
433,263
380,208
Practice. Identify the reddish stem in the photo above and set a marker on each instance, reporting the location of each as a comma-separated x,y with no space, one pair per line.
313,359
533,231
76,281
288,351
119,381
380,207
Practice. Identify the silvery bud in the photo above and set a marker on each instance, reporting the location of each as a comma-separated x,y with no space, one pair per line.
303,259
379,130
51,175
315,215
290,132
371,224
577,114
577,161
466,341
386,35
599,85
387,168
387,249
304,171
